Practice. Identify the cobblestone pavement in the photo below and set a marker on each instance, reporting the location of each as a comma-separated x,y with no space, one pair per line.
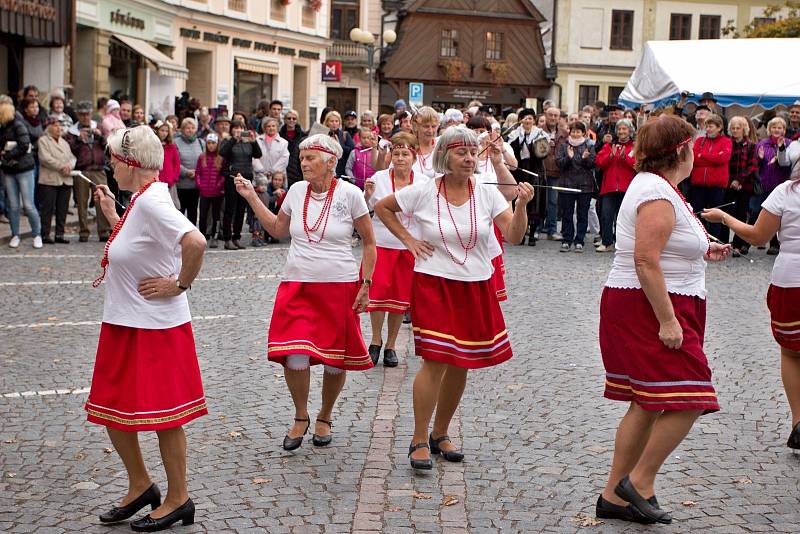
537,432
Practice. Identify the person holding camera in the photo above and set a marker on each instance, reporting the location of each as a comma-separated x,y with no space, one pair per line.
238,150
88,145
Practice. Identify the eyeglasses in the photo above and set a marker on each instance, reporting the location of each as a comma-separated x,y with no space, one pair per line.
290,118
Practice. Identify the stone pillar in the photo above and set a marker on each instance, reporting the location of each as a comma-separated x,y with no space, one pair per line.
102,64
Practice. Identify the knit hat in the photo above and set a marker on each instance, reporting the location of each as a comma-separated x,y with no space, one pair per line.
111,105
400,103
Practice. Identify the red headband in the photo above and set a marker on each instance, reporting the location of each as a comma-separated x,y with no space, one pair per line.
679,145
409,147
321,148
127,161
459,144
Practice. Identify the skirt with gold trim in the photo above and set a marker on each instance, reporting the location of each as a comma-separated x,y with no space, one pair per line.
317,319
145,379
391,281
784,310
459,323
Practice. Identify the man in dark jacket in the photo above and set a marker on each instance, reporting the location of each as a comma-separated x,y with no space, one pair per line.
238,150
88,146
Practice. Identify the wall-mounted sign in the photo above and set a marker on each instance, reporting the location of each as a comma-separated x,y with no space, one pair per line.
31,8
216,37
123,19
190,33
332,71
286,51
308,55
242,43
265,47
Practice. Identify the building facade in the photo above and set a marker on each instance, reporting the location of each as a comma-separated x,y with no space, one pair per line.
597,44
462,50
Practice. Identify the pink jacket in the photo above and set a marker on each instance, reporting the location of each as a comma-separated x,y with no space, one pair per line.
210,181
171,171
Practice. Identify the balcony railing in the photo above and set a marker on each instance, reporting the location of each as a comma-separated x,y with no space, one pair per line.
347,52
238,5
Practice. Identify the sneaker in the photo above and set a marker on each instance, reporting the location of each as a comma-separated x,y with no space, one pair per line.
213,243
14,243
603,248
564,247
578,247
597,240
37,242
555,236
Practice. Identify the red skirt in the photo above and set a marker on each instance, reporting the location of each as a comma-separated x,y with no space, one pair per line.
640,368
145,379
457,322
317,319
499,275
391,282
784,309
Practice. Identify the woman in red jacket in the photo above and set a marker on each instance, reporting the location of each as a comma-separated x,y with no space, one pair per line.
712,153
171,171
616,161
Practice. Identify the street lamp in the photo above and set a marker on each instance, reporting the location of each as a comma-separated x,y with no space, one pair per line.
367,40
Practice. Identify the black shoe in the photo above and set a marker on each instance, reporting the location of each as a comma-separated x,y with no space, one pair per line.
794,438
627,492
773,251
151,496
390,358
48,240
375,353
290,444
420,464
322,441
102,238
607,510
85,238
406,318
531,241
744,251
736,253
61,240
450,456
183,513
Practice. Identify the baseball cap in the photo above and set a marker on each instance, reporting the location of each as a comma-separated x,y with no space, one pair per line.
351,114
84,106
212,138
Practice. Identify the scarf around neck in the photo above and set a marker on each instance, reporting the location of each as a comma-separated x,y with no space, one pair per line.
576,142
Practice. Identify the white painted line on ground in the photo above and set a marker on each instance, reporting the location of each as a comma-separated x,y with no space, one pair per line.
95,323
45,393
86,282
45,255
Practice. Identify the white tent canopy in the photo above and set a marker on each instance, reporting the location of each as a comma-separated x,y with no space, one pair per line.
747,72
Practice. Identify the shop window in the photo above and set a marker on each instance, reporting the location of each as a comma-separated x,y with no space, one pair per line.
494,46
309,17
587,95
122,73
238,5
449,43
621,30
249,88
710,26
613,94
680,27
344,17
277,11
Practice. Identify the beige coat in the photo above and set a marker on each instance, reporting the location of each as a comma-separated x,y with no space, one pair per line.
53,155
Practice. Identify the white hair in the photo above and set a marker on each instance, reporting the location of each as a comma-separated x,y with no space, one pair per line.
453,115
188,120
139,144
267,119
454,134
324,141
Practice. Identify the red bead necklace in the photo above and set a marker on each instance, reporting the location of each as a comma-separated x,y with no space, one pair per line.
423,160
691,211
402,216
116,231
322,220
473,221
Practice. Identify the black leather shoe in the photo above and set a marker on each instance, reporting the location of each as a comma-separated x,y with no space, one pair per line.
627,492
531,241
420,464
390,358
322,441
794,438
151,496
375,353
61,240
450,456
48,240
183,513
290,444
607,510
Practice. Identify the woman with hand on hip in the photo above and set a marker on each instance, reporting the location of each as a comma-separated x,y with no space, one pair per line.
452,275
652,321
315,319
146,375
780,215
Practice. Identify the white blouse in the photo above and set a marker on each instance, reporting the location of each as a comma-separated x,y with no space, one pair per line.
682,260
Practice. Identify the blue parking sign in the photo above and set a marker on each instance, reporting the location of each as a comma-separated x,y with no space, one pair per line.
415,92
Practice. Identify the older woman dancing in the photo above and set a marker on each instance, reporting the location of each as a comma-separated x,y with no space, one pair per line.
452,274
652,321
146,375
315,318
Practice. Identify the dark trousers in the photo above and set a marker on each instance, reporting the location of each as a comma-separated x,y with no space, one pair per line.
568,204
610,203
215,205
738,210
54,200
188,199
703,197
235,209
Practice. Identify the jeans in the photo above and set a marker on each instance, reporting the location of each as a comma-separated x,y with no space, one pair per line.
569,202
55,201
608,215
21,185
703,197
551,223
188,199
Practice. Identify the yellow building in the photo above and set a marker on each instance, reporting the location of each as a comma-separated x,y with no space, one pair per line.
598,43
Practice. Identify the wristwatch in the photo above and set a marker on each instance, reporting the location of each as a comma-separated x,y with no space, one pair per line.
366,282
182,287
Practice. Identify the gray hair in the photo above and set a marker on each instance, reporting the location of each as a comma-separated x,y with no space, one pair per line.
267,119
139,144
629,124
453,115
324,141
454,134
188,120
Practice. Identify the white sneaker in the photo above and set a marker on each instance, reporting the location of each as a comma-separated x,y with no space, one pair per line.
555,236
14,243
37,242
603,248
